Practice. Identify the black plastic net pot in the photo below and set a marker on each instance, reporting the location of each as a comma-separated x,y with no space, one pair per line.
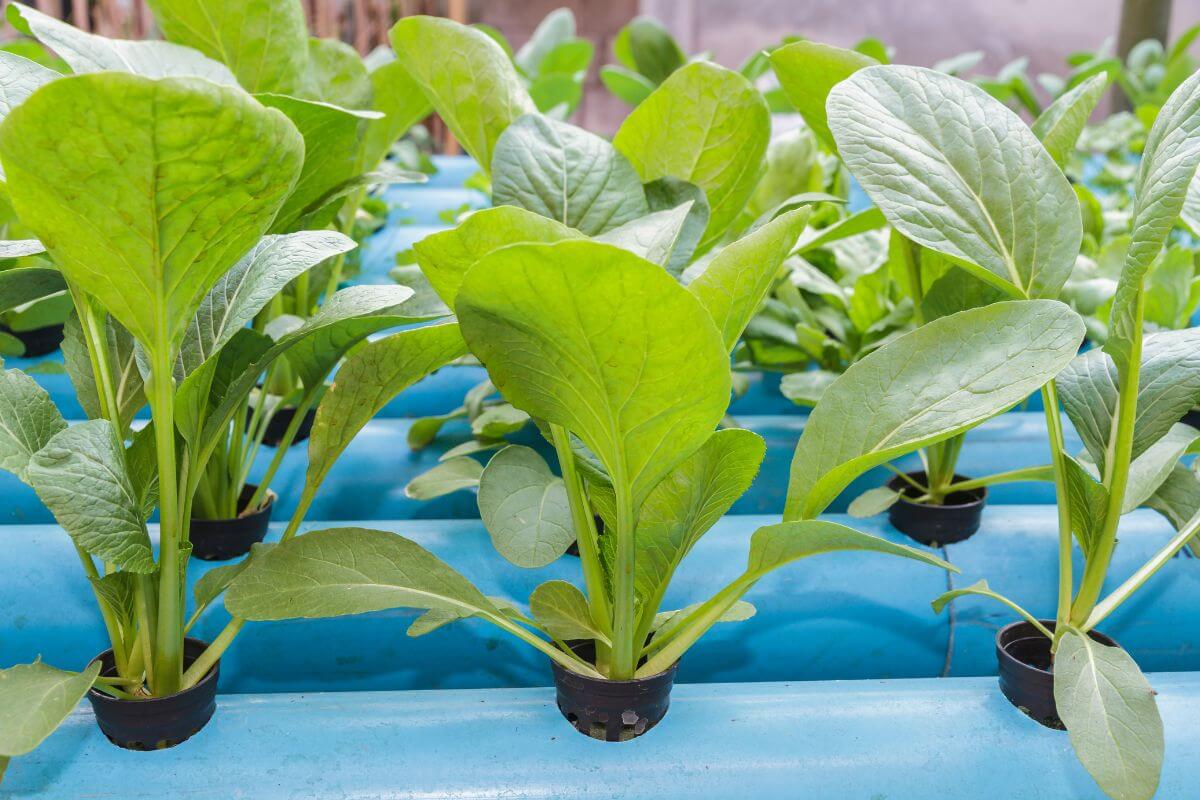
223,539
280,421
156,723
1192,418
956,519
1027,671
612,711
39,341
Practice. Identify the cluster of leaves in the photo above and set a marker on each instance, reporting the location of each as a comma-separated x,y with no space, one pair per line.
173,206
957,173
604,294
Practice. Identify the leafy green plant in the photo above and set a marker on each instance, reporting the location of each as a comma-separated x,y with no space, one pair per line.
665,192
349,115
571,299
553,64
999,220
909,282
154,197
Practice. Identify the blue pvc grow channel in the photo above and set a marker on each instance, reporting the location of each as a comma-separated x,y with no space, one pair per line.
842,615
903,740
368,481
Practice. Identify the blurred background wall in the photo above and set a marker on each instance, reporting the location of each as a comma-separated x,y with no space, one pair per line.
921,31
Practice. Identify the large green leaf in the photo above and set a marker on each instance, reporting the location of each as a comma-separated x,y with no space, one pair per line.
1059,126
593,338
737,280
82,478
34,700
926,386
368,381
87,52
196,170
28,421
808,71
467,77
707,125
445,257
332,157
956,171
247,288
1112,719
524,508
689,501
1168,387
264,42
1169,163
565,173
403,104
341,571
20,77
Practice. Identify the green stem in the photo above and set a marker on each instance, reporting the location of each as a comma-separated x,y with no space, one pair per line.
561,657
306,500
910,252
168,661
1135,581
211,654
1042,473
1063,502
692,628
624,626
115,637
289,436
1117,460
141,585
585,531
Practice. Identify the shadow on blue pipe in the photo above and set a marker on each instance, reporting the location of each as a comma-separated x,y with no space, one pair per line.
903,740
368,481
839,616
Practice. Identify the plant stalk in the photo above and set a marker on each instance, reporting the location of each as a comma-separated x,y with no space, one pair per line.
168,651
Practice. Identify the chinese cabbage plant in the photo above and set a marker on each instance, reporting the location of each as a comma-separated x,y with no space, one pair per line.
907,280
628,373
958,173
568,293
349,115
154,197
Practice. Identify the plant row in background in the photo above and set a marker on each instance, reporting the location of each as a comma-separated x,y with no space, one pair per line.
195,200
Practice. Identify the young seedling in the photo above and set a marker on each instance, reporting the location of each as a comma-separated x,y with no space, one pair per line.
960,174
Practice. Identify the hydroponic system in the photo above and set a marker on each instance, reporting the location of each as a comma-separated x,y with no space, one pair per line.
826,431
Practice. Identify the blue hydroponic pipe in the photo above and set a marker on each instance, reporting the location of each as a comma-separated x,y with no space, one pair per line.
452,171
900,740
411,204
836,616
368,480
